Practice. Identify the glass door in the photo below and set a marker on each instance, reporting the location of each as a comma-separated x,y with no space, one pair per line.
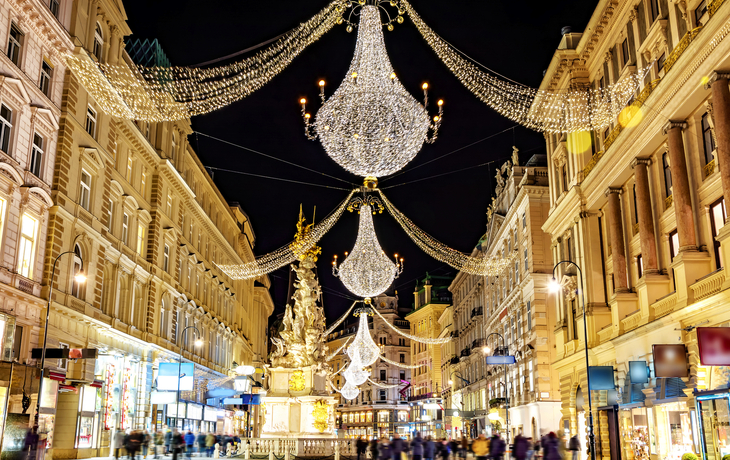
715,414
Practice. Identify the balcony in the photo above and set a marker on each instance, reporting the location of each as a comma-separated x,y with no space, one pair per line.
477,312
465,352
455,334
478,343
454,360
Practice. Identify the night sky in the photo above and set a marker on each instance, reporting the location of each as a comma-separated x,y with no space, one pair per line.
516,39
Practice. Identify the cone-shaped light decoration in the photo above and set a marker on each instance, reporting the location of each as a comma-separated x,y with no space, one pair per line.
363,351
372,126
367,271
355,374
350,391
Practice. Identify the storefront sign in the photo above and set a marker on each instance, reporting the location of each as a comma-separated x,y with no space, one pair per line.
167,376
195,412
601,378
670,361
163,397
109,406
638,372
210,414
714,344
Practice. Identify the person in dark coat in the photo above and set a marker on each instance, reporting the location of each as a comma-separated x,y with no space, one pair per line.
417,446
397,446
361,445
384,449
374,449
521,447
177,443
168,441
429,449
551,447
496,447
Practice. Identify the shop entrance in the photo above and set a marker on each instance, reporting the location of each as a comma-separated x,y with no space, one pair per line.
715,425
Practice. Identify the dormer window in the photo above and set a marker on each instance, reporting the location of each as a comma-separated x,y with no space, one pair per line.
98,41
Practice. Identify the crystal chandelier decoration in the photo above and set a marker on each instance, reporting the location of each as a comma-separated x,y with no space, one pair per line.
349,391
363,351
372,126
355,374
366,271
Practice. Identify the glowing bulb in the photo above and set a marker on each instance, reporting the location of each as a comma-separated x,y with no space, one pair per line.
485,350
321,83
302,101
441,102
198,343
451,382
307,116
436,118
354,74
392,76
425,86
554,286
80,277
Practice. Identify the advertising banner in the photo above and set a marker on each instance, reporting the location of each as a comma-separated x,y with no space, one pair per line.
670,361
714,344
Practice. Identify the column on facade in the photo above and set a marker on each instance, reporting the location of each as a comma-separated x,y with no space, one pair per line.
618,248
721,118
680,186
645,216
115,43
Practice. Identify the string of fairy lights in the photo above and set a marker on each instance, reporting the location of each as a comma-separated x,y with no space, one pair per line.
289,253
401,365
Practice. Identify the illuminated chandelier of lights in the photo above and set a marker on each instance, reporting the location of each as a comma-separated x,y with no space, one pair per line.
349,391
367,272
372,126
355,374
363,351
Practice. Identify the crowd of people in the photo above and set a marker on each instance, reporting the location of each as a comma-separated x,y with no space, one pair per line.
549,447
170,442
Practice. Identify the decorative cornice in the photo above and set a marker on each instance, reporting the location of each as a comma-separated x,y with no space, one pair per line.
640,161
715,76
616,190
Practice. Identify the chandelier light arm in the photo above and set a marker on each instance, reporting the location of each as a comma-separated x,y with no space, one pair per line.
342,318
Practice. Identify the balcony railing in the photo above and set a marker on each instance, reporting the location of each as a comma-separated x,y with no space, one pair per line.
465,352
477,312
478,343
680,48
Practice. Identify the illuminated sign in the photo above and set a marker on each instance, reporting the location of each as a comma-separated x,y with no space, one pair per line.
195,412
167,376
714,345
210,414
108,407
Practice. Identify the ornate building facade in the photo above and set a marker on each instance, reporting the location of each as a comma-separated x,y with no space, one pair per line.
131,204
377,411
431,299
641,209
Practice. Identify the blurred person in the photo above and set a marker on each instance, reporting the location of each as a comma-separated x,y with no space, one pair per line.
384,449
374,454
530,449
210,443
551,447
480,447
200,442
398,447
360,446
168,441
189,443
118,442
464,447
520,447
429,449
177,443
145,443
496,447
416,446
574,447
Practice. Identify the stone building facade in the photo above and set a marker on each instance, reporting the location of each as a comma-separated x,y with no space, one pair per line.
431,298
641,207
31,88
133,205
376,412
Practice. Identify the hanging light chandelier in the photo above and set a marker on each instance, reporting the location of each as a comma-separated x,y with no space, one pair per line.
356,374
349,391
367,272
372,126
363,351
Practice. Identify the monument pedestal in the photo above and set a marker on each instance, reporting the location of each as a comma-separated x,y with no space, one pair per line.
298,405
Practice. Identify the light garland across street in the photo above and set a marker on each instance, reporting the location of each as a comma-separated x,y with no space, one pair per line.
401,365
428,341
334,325
289,253
485,266
382,385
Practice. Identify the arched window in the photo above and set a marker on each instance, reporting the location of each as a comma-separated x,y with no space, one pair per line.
76,287
98,41
667,176
164,315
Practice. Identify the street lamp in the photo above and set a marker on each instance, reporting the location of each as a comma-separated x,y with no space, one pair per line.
556,287
505,352
80,278
198,343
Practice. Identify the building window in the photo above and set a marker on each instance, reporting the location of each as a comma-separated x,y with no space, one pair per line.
6,126
36,155
707,141
660,62
700,11
15,40
653,10
125,228
564,177
85,191
28,235
91,121
129,167
718,214
98,41
54,6
625,52
76,290
673,244
640,266
529,315
527,267
524,220
110,217
46,73
169,205
166,258
140,238
402,358
382,375
143,183
163,319
381,395
667,175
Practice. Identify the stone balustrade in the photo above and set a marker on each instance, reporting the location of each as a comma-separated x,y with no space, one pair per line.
275,448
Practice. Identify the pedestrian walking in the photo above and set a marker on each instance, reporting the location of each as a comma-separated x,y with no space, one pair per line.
480,447
189,443
145,443
398,448
496,447
159,443
200,441
360,447
417,446
530,449
464,447
118,442
429,449
374,453
168,441
574,446
210,443
521,447
177,443
550,445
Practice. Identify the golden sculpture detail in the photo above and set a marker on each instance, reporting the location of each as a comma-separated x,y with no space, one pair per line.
321,415
300,240
296,381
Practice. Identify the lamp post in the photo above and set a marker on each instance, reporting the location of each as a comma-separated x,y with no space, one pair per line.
467,383
80,278
505,352
555,286
198,342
